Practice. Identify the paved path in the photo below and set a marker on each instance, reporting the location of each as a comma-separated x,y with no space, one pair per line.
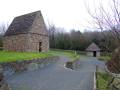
57,77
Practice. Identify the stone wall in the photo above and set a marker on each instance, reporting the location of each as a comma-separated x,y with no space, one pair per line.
39,26
16,43
38,33
98,54
8,69
26,65
26,43
91,54
34,42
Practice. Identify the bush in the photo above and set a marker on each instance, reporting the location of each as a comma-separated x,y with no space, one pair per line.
114,64
106,53
69,64
73,63
104,58
1,48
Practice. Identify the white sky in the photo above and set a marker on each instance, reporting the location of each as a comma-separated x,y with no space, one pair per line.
68,14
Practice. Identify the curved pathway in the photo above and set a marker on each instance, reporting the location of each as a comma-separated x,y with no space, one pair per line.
57,77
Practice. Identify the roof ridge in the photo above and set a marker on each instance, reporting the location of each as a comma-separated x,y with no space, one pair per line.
93,47
35,12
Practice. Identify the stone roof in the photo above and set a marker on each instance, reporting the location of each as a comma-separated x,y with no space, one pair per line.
93,47
21,24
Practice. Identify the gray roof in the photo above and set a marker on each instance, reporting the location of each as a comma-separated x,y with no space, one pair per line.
93,47
21,24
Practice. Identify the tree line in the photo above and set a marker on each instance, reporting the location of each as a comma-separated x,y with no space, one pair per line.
3,28
76,40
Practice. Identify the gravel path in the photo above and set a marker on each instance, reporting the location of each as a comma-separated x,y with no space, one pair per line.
57,77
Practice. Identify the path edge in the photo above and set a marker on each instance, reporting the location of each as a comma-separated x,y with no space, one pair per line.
94,80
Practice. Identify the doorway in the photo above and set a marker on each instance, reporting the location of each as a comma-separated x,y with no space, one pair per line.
94,53
40,46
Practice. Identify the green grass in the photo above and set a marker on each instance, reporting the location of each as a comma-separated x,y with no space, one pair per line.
15,56
104,58
71,54
102,81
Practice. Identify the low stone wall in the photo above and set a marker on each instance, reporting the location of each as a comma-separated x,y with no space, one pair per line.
26,65
8,69
73,64
114,84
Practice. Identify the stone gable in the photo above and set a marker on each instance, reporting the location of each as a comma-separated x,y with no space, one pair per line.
38,26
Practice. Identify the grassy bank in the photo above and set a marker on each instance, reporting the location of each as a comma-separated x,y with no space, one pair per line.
69,53
104,58
102,81
15,56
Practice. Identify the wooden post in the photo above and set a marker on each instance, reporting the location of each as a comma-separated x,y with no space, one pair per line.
75,52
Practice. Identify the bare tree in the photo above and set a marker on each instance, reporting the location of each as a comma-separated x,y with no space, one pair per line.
107,19
3,28
52,31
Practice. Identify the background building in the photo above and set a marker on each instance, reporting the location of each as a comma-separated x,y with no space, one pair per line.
93,50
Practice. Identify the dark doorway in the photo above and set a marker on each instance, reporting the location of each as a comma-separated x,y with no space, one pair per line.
40,46
94,53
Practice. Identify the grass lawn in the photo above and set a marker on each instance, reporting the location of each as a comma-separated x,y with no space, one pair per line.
104,58
71,54
16,56
13,56
102,81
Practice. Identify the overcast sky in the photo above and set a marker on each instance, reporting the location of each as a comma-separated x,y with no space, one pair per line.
68,14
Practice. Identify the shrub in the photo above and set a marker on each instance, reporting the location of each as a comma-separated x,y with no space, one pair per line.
114,64
69,64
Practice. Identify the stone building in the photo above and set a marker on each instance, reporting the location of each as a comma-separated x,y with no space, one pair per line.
93,50
27,33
